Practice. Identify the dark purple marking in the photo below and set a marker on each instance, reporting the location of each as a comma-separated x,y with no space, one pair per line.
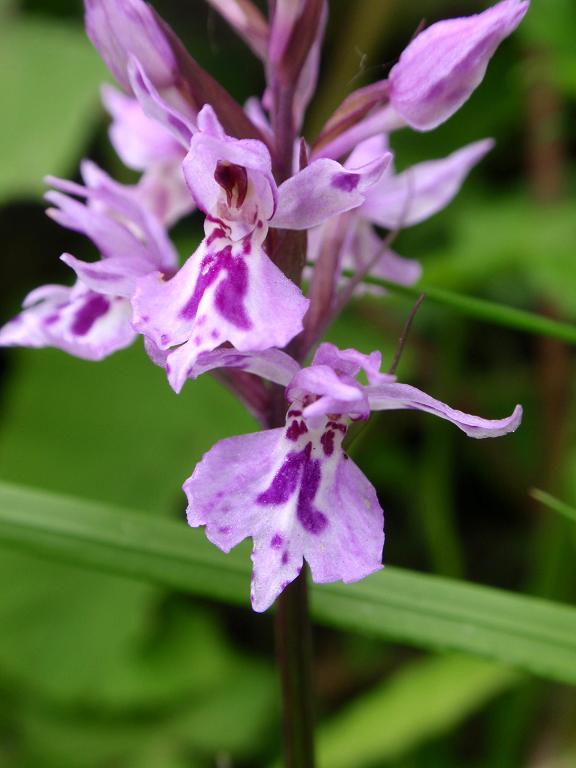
229,293
294,413
299,468
284,482
340,427
296,429
215,334
234,181
310,518
217,234
327,441
51,319
164,339
285,558
347,182
276,541
224,529
205,280
89,313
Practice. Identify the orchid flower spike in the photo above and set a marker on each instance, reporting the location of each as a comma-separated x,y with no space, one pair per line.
293,490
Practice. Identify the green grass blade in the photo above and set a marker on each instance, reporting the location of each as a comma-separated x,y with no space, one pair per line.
421,701
418,609
487,311
554,504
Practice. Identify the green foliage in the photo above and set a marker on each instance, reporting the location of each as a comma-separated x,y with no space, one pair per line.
428,611
49,80
419,702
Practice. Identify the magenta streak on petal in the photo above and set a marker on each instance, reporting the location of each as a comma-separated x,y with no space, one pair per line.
94,308
311,519
298,466
347,182
285,481
276,541
229,294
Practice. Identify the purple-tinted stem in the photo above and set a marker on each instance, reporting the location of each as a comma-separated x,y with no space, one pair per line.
293,650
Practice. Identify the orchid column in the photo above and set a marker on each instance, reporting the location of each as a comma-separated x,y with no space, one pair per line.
273,205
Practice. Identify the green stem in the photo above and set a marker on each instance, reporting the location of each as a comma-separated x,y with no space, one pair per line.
293,649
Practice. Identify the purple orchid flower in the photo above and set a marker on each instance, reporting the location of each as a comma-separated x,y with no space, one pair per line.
229,290
293,490
92,319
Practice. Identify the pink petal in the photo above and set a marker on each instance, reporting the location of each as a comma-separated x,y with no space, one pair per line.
422,190
322,190
443,65
395,396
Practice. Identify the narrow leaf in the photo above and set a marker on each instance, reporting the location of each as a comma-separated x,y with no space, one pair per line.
480,309
422,700
554,504
426,611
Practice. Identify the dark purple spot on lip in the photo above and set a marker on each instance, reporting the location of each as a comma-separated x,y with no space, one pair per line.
234,181
51,319
89,313
347,182
327,441
296,429
285,558
224,529
276,541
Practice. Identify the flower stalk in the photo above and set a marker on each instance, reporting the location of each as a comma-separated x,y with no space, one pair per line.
293,652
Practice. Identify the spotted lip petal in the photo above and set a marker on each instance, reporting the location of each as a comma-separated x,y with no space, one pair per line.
445,63
76,320
295,502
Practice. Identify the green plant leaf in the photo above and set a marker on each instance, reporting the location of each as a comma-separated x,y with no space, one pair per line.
431,612
422,700
554,504
486,311
49,78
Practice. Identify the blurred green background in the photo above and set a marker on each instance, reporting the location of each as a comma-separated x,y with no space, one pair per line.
102,672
